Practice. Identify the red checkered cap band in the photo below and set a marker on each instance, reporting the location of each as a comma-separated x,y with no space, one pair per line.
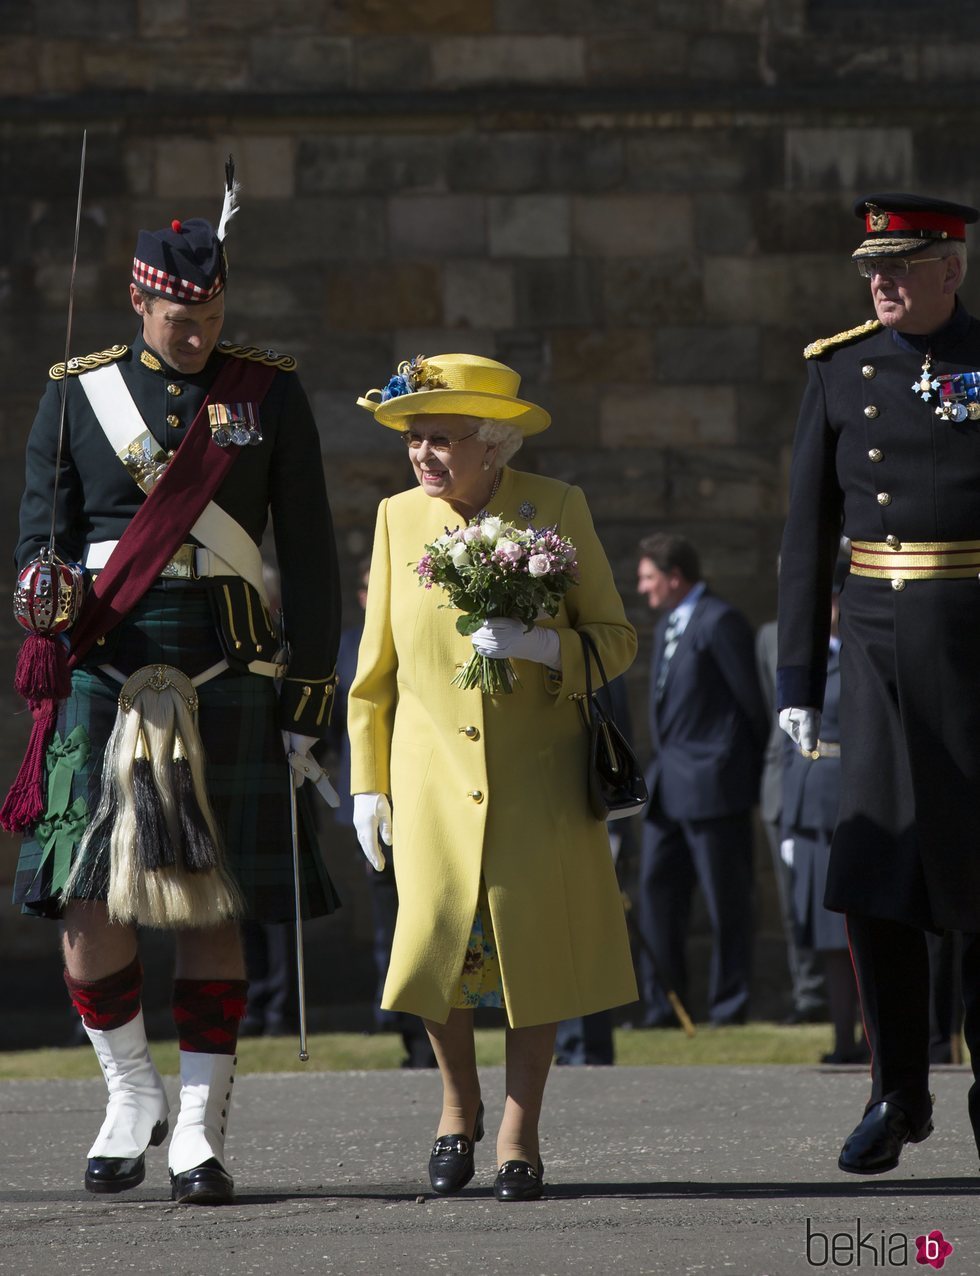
914,223
158,281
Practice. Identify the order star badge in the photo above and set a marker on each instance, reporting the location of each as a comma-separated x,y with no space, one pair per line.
926,383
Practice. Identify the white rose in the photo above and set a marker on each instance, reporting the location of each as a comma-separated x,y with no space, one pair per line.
538,565
491,528
458,555
472,534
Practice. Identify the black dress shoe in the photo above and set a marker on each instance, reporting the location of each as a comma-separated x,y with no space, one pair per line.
206,1184
519,1181
876,1144
451,1163
119,1173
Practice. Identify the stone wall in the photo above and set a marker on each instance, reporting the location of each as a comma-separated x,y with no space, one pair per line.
643,205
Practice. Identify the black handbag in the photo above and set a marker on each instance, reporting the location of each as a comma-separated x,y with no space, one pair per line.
616,787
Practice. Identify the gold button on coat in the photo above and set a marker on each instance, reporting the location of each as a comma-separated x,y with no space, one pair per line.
871,411
471,733
476,795
898,584
876,454
893,542
175,390
868,371
884,498
172,420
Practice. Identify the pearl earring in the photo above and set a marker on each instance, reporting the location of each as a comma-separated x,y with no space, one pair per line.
486,465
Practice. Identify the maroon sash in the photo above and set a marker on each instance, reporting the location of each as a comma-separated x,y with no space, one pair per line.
174,504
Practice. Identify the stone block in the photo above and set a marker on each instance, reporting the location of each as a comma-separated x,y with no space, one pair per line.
732,225
558,292
607,356
19,72
821,159
722,483
468,61
378,298
743,15
587,17
59,67
725,160
681,15
707,355
320,63
142,66
724,59
693,416
777,289
365,163
435,17
344,428
298,231
70,19
392,62
478,294
782,349
570,160
640,60
529,225
621,486
273,298
408,342
437,226
807,221
631,225
265,165
163,19
648,290
189,166
766,412
527,352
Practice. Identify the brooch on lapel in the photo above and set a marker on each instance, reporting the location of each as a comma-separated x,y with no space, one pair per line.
235,423
527,510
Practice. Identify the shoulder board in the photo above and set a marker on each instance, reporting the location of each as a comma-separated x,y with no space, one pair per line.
271,358
817,348
86,362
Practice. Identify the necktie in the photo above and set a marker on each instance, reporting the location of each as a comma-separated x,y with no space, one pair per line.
671,638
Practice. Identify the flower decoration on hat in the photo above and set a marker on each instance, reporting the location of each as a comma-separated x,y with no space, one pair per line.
411,378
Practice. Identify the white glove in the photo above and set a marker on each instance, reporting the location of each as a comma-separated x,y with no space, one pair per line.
802,726
503,639
786,851
306,768
372,816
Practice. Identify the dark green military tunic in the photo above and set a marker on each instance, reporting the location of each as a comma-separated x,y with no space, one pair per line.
194,624
872,460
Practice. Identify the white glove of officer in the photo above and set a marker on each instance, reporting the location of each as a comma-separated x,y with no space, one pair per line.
503,639
372,816
802,726
306,768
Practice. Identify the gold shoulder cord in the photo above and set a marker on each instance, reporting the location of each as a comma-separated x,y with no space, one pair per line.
86,362
817,348
271,358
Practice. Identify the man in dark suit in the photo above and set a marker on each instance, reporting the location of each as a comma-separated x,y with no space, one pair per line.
708,730
887,451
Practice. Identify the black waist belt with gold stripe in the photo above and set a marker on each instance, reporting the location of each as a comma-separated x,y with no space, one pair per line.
899,561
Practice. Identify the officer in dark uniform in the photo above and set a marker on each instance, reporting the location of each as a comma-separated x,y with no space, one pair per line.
887,451
205,616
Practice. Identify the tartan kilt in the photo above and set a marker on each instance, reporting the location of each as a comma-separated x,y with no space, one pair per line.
246,768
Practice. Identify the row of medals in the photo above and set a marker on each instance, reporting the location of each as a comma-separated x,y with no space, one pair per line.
958,406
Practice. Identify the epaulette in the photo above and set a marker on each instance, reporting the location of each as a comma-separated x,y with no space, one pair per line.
817,348
86,362
271,358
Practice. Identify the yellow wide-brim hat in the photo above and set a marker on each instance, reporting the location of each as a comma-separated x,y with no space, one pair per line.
454,383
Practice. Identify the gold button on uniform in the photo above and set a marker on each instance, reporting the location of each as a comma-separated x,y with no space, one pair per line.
884,498
893,542
173,420
898,584
871,411
876,454
476,795
868,371
175,390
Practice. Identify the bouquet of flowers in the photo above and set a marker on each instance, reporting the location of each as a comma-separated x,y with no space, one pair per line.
489,568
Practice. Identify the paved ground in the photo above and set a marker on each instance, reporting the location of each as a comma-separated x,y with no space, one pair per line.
649,1170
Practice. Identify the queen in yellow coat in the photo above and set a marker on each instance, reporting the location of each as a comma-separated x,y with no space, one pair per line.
507,894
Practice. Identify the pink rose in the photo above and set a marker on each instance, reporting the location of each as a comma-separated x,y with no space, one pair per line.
539,565
509,551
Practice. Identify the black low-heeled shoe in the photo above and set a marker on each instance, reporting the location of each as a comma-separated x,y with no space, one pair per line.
205,1184
451,1162
119,1173
519,1181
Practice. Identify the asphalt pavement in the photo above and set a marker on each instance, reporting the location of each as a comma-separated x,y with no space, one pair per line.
715,1171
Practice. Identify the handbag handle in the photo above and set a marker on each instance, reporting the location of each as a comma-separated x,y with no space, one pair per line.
591,652
603,715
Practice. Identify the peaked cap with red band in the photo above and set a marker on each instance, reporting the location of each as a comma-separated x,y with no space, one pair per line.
184,262
898,224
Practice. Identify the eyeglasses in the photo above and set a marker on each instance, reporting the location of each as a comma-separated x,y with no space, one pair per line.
890,267
437,442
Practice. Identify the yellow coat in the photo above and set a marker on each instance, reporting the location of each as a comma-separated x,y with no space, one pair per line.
491,785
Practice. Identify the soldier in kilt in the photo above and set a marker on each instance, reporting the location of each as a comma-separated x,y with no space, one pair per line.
887,452
167,794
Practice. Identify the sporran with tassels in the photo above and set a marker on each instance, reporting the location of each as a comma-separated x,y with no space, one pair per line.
166,862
